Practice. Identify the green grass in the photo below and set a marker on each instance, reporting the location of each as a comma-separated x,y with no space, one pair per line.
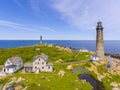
3,82
51,80
107,81
27,54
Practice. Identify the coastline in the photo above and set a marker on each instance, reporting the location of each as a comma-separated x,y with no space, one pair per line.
117,56
111,46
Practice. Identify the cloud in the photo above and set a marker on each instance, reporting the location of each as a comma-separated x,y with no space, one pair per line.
31,28
14,25
9,24
85,13
45,28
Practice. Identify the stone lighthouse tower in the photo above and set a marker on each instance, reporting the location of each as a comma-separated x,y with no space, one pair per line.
40,39
99,41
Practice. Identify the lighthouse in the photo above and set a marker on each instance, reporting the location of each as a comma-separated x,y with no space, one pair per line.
99,41
40,39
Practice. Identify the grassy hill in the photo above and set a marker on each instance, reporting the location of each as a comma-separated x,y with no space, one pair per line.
27,53
50,80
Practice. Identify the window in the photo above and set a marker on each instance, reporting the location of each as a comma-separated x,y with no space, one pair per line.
38,62
35,67
8,62
42,67
20,61
20,65
39,59
7,69
48,67
42,62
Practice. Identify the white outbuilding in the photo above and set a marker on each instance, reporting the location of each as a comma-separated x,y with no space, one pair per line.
94,57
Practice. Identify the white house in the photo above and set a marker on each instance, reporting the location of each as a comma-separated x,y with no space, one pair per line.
13,64
94,57
40,64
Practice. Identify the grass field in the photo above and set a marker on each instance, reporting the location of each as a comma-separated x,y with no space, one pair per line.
27,54
50,80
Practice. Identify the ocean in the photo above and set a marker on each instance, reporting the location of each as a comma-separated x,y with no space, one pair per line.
111,46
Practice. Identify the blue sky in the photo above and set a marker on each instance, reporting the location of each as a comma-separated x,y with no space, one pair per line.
58,19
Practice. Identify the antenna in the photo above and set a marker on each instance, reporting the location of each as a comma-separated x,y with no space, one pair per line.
109,62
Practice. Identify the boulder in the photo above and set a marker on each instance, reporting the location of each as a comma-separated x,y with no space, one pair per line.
69,67
61,73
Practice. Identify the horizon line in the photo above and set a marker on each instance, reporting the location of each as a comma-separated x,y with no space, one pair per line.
51,39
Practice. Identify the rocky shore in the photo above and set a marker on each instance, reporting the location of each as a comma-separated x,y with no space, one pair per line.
117,56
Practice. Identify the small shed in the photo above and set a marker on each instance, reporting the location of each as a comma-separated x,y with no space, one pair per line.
28,67
94,57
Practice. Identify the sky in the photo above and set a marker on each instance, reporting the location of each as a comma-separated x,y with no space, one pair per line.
58,19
